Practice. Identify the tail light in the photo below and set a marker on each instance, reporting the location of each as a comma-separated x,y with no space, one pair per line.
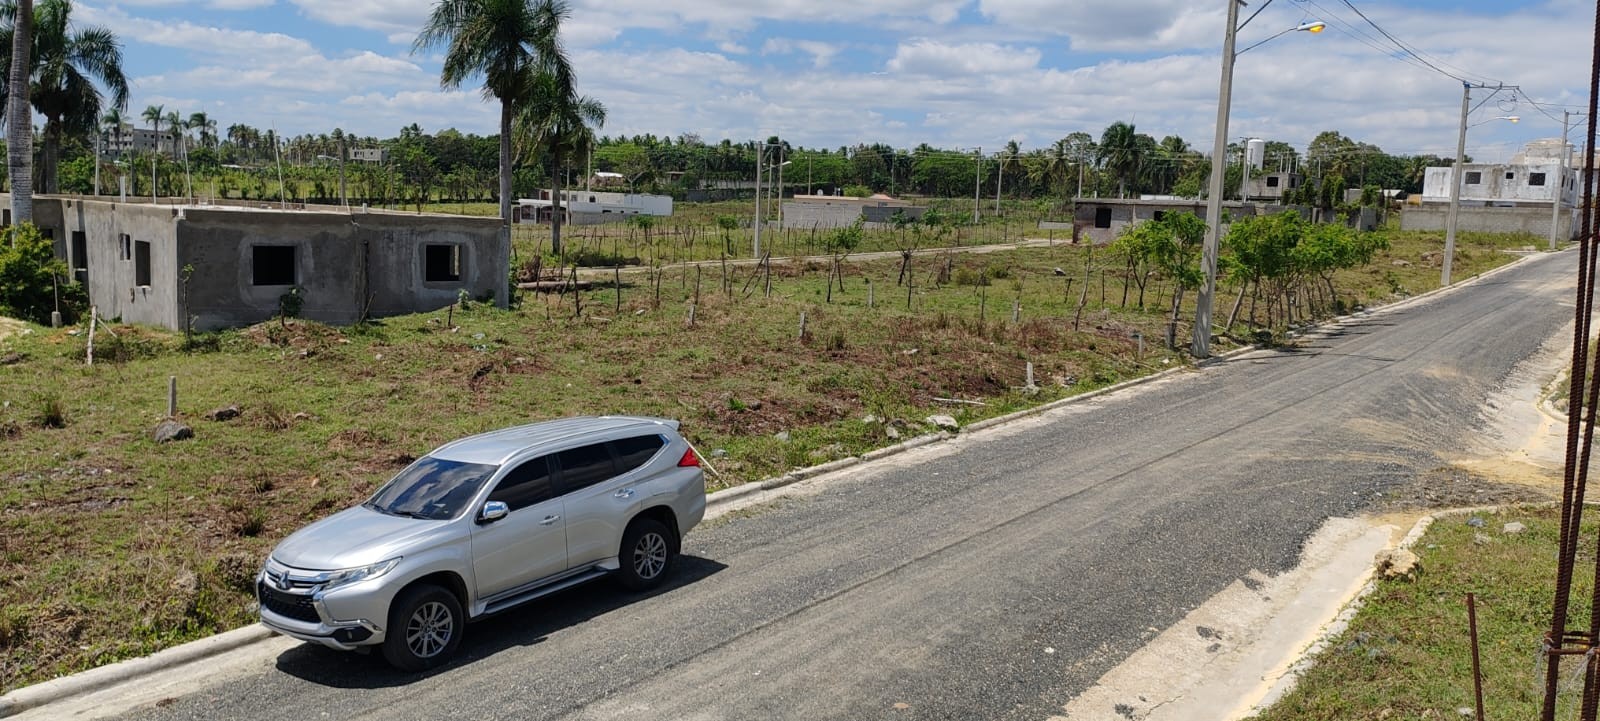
689,459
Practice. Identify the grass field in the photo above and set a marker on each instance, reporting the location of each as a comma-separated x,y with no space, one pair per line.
112,546
1406,654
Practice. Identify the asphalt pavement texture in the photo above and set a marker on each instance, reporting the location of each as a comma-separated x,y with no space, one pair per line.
995,582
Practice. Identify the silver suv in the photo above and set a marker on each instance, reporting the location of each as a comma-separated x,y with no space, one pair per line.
481,525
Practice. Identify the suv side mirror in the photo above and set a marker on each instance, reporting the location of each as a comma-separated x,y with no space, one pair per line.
493,511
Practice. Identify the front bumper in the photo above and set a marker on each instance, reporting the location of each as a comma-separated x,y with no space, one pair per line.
342,618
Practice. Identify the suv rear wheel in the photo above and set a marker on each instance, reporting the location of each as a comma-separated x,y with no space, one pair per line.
647,555
425,626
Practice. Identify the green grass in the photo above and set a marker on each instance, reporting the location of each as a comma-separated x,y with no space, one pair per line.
1406,654
112,546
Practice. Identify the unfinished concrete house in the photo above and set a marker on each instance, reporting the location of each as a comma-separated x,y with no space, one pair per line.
223,266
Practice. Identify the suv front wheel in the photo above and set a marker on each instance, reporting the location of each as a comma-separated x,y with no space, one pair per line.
425,626
647,555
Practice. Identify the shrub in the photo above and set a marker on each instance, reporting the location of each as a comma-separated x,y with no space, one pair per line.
31,277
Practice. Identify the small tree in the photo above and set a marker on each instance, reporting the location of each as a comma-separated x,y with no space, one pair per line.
33,280
728,224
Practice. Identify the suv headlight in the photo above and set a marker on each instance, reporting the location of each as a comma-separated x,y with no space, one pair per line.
357,575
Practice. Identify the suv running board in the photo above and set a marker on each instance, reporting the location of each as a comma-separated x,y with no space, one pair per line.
502,604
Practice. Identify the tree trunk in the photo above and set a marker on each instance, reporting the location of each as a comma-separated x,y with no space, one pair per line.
505,178
19,116
1237,303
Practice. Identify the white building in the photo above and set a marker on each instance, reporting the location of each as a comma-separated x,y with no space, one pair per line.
585,207
1536,176
1518,196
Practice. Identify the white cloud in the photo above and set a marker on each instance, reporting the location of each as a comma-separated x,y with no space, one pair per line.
928,57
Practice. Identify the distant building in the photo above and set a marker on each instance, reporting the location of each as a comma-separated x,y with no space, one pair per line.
1271,187
135,140
608,180
823,212
1101,220
131,257
586,207
1519,196
370,155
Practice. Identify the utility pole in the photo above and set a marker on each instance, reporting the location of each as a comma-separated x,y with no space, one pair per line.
1000,184
1453,219
761,157
781,163
1561,179
1201,346
977,192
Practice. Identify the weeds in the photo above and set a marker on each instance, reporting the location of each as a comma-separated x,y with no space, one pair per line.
49,411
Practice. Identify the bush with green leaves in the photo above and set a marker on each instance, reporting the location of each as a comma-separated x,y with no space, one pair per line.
32,278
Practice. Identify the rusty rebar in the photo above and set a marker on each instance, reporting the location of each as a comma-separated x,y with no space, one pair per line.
1575,479
1477,669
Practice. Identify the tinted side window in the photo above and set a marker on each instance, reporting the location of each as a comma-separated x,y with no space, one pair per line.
635,452
586,466
525,485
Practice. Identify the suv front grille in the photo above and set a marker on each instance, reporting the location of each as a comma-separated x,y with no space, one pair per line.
288,605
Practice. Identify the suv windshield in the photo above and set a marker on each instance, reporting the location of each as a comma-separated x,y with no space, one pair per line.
432,488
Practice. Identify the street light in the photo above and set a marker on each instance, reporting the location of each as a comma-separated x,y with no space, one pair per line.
1453,219
1219,168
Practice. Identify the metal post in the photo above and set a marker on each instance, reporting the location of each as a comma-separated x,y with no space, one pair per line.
172,396
1453,219
1219,169
780,187
761,157
1561,179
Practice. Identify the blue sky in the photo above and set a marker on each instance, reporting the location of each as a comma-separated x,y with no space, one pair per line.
953,73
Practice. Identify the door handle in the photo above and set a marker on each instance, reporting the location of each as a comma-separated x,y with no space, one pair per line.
549,520
623,494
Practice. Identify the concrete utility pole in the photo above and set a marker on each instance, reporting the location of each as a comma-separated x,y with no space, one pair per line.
1561,179
1452,220
761,157
1219,173
999,185
977,191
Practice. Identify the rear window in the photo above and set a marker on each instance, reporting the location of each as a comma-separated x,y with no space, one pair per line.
635,452
586,466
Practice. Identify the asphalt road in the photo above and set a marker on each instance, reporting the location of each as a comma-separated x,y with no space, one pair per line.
994,579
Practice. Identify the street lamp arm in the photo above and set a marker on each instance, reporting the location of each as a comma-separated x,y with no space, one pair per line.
1306,27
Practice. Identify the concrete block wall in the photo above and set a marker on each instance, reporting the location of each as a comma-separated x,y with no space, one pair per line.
824,216
345,262
1482,219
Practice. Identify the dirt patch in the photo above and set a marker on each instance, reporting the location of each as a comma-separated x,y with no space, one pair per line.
1457,487
9,326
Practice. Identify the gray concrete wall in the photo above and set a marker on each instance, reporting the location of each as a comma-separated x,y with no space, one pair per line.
110,277
1536,221
805,216
343,263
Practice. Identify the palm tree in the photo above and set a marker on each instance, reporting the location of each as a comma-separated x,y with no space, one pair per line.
153,115
19,117
207,126
67,61
508,42
1121,153
562,123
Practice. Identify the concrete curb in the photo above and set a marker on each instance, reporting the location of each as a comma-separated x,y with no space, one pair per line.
41,694
31,697
1309,657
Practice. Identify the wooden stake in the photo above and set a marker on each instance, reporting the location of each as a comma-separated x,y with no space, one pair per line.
172,396
93,317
